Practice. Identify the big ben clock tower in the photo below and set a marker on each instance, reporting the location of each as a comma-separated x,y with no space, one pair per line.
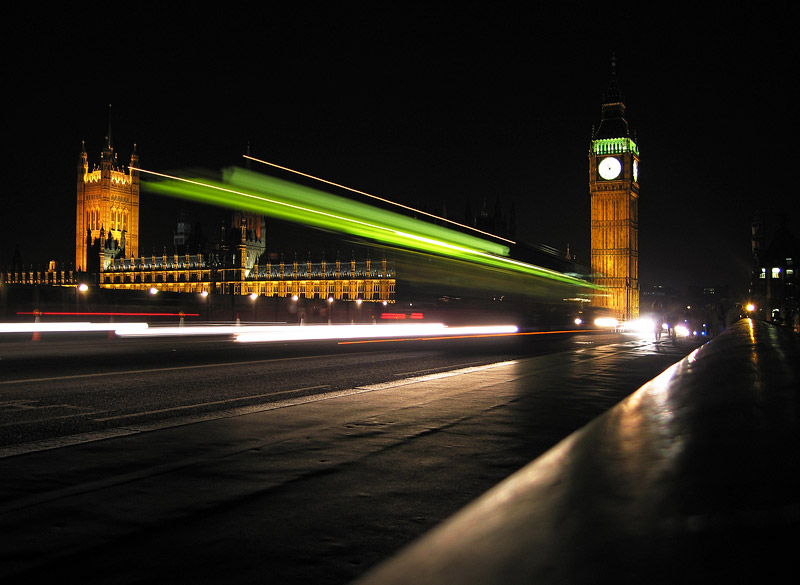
614,193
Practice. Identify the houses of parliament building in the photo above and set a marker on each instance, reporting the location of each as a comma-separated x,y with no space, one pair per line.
107,251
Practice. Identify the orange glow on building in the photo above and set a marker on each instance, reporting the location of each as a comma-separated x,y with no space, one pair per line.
107,215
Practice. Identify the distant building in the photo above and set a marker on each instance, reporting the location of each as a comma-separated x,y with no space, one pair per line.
773,287
614,193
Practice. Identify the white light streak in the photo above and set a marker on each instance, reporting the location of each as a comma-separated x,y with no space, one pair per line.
339,332
72,327
274,333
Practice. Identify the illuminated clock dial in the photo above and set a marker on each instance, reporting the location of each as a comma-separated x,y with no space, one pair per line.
609,168
636,170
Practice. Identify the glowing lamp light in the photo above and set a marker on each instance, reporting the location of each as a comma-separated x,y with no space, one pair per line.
204,294
153,291
83,287
750,307
254,296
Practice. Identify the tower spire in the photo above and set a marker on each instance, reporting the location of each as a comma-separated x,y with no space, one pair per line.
613,93
108,138
613,121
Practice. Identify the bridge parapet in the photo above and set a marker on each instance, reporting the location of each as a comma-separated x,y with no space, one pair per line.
693,478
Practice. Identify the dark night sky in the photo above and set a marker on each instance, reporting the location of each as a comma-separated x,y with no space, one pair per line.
424,107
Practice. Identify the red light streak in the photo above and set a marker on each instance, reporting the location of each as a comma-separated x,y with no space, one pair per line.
437,338
401,316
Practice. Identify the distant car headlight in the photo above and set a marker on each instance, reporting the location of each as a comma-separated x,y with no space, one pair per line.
682,331
643,325
606,322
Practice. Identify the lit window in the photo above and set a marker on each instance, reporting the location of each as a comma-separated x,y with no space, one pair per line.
776,272
763,273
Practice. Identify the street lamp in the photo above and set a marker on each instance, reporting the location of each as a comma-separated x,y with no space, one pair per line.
330,310
204,296
80,290
253,297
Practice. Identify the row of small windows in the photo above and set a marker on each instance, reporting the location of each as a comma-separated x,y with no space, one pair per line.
199,276
776,271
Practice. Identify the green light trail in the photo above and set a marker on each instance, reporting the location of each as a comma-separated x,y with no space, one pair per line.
249,191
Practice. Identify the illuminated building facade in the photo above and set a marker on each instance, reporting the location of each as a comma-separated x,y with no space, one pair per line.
198,273
614,193
107,216
107,246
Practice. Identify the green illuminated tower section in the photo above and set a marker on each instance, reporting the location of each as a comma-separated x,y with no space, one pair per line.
614,193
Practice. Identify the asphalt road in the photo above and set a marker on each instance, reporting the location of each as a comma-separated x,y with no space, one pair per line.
298,485
60,387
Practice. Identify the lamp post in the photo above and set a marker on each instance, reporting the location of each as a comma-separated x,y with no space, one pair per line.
295,309
254,298
204,296
80,290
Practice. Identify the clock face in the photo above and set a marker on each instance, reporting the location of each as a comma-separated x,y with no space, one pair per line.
609,168
636,170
